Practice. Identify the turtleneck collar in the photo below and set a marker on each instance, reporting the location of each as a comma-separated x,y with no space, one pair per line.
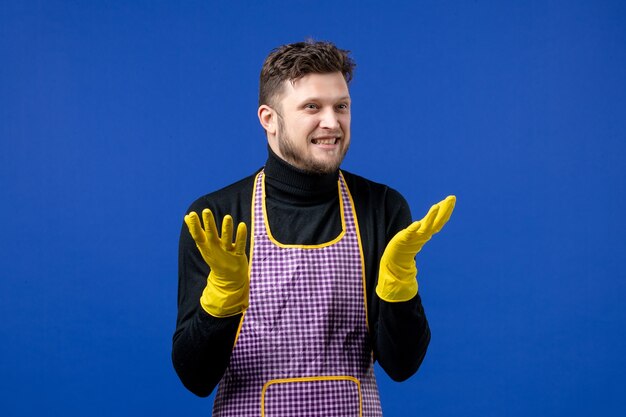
285,178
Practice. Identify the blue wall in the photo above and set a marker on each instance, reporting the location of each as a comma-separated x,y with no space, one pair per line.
113,118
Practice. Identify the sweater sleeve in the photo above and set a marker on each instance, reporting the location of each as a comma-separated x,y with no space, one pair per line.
401,334
202,344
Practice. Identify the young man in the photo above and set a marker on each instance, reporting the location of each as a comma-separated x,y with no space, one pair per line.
290,320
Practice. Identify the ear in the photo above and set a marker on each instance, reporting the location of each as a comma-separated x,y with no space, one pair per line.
267,118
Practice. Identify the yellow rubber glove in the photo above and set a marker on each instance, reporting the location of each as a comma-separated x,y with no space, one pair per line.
397,273
228,285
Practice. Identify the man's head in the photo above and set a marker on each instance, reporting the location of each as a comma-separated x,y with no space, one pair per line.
304,104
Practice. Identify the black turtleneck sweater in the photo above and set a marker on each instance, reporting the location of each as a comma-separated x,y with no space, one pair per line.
302,208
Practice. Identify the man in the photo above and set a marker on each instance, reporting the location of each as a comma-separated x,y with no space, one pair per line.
290,320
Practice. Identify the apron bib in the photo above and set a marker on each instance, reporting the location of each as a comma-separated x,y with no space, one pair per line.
303,346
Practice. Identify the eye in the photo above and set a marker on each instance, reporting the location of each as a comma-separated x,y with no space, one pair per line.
310,106
343,107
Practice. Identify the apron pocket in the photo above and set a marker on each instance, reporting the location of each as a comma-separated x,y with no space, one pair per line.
323,396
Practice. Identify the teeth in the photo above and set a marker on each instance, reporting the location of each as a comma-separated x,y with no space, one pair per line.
325,141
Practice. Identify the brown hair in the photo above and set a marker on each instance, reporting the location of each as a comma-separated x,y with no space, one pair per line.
294,61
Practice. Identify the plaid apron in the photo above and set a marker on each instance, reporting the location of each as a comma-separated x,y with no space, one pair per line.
303,347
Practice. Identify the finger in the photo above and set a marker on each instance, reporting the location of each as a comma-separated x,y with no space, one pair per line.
428,220
209,225
240,240
195,229
415,226
227,233
445,211
449,200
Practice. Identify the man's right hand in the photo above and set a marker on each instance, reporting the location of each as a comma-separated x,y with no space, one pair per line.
227,290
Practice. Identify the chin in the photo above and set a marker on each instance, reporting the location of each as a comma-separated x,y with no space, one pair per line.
319,167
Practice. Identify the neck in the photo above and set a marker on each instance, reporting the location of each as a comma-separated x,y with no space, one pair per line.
288,178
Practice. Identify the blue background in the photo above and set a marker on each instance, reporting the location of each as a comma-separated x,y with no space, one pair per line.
115,115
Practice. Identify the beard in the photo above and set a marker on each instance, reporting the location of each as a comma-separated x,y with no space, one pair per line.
300,161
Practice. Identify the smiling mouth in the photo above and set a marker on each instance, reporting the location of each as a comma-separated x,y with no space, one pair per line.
325,141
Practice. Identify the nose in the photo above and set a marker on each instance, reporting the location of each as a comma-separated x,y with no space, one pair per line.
329,120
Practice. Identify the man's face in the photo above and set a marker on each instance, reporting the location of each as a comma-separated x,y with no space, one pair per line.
313,124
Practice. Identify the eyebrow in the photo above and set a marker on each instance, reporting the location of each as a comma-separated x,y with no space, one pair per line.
313,98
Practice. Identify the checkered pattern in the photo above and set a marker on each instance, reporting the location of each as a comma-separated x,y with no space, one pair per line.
312,399
306,319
